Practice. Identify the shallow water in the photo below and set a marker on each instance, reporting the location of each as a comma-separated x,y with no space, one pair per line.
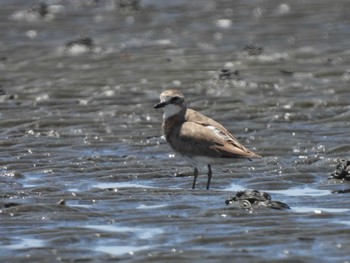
85,174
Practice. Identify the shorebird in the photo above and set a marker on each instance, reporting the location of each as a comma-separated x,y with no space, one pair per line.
197,138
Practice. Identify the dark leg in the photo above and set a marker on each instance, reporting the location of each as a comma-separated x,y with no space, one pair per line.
209,176
195,177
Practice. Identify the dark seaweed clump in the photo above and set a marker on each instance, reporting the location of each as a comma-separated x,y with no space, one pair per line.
342,171
250,199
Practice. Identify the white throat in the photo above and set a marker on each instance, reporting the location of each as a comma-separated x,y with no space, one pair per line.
171,110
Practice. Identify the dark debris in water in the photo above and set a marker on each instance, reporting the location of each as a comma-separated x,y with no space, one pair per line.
40,8
250,199
85,41
37,11
83,44
11,204
129,5
253,50
227,74
61,202
2,91
342,171
287,72
344,191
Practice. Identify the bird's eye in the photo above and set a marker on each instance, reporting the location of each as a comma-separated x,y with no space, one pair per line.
174,99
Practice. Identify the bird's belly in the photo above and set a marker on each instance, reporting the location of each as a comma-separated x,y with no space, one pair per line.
204,160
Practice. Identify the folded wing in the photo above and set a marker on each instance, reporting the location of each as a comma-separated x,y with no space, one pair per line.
197,140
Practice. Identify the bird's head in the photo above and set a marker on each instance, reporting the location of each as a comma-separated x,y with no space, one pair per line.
172,101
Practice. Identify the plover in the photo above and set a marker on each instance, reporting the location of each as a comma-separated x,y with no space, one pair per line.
197,138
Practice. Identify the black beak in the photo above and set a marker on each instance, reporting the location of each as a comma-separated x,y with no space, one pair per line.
160,105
